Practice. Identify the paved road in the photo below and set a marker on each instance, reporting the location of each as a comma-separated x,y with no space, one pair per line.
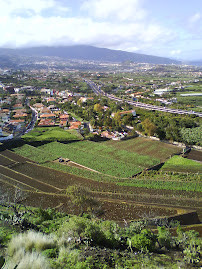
97,90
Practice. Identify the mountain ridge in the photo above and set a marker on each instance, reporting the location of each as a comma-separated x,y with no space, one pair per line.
85,52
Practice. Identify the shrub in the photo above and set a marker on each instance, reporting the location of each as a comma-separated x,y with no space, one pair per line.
135,227
112,233
145,241
164,237
192,253
80,228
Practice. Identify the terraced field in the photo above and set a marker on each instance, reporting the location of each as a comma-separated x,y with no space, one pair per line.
180,164
6,161
13,156
35,154
21,178
195,155
46,187
120,195
145,146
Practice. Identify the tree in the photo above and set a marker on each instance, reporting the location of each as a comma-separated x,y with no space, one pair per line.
117,119
98,108
149,127
82,198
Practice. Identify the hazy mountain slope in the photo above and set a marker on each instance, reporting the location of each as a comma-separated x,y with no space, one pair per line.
83,52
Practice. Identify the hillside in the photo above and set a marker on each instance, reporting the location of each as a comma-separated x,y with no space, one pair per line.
84,52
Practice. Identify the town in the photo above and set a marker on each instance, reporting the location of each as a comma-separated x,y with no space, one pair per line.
105,158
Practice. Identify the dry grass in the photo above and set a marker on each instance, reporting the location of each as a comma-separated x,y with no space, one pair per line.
24,260
29,241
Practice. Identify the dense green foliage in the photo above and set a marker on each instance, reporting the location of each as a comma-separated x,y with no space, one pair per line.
85,242
192,136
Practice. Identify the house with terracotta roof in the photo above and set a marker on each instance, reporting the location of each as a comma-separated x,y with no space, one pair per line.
63,123
74,125
18,106
51,99
16,121
46,123
107,134
64,117
38,105
20,115
47,116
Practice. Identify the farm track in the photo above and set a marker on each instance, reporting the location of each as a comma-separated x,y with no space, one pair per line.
28,180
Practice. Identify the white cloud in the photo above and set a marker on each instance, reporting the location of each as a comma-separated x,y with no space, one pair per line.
112,24
11,7
175,52
123,10
195,18
56,30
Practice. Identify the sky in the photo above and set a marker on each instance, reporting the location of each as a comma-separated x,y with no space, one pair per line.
171,28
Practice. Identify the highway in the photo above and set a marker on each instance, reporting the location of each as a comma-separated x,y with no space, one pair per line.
97,90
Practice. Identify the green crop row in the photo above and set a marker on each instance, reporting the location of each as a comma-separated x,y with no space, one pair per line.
165,185
103,164
81,172
120,155
34,154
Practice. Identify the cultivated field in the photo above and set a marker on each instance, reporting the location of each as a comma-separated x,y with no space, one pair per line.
149,194
52,134
180,164
195,155
46,187
145,146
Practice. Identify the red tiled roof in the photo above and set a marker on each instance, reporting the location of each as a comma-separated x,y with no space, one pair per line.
19,115
63,122
13,121
38,105
47,115
64,116
18,105
46,122
74,124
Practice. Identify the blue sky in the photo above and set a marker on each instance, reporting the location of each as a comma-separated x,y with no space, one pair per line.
156,27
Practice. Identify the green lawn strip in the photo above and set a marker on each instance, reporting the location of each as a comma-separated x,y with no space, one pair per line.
178,160
81,172
75,116
178,163
165,185
103,164
51,134
120,155
170,176
34,153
